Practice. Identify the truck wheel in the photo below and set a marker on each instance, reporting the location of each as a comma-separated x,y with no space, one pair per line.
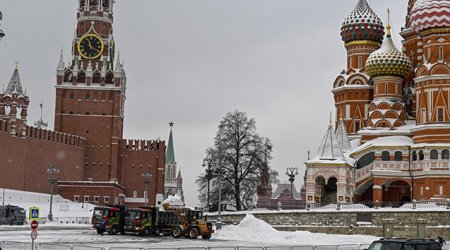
206,237
193,233
100,230
147,232
176,232
157,232
113,230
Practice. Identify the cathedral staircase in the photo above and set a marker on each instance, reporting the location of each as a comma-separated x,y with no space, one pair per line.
329,198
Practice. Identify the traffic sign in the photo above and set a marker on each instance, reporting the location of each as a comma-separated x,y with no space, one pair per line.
34,213
34,225
34,234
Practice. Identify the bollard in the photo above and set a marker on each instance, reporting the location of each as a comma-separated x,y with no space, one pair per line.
421,228
308,206
377,204
338,206
388,228
414,204
448,203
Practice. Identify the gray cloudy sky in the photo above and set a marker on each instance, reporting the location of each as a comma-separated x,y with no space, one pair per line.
191,61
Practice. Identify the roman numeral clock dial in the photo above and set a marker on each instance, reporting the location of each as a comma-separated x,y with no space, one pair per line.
90,46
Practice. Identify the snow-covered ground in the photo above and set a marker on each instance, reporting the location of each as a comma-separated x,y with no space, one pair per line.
62,209
249,232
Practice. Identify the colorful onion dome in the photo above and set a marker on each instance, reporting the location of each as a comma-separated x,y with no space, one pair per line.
428,14
388,60
362,24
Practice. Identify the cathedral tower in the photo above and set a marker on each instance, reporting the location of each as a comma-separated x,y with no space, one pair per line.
388,67
90,91
362,32
430,22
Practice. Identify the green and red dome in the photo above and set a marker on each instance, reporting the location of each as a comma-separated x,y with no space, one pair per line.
362,24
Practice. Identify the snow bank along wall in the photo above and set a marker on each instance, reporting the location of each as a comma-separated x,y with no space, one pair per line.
352,222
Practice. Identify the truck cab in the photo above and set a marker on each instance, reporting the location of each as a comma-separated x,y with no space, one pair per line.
109,219
12,215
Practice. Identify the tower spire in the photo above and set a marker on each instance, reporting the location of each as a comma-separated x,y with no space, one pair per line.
388,26
170,155
61,61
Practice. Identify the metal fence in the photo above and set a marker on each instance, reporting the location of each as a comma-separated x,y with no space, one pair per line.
8,245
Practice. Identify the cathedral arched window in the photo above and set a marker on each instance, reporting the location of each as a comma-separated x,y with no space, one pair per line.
72,95
109,78
365,160
414,156
398,156
81,78
96,78
434,154
445,154
385,156
421,155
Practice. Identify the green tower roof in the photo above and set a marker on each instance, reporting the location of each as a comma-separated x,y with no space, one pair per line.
170,154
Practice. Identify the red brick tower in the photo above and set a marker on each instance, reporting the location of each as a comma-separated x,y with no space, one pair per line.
90,92
362,32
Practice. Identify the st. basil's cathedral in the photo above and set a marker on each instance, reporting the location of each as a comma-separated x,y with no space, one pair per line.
392,138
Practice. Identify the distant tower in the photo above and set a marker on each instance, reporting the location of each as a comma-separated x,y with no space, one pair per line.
173,180
362,32
41,123
14,104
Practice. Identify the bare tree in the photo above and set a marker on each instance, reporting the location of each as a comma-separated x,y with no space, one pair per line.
241,155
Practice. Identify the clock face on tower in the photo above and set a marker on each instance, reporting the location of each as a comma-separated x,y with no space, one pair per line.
90,46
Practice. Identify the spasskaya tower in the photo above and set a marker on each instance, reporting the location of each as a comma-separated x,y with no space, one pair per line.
90,91
90,98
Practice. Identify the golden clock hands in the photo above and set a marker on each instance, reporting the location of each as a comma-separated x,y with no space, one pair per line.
92,47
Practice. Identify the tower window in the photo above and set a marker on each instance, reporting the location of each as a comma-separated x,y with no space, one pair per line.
421,155
72,95
87,113
434,154
87,96
445,154
398,156
359,62
357,125
414,156
441,53
81,77
386,88
440,114
385,156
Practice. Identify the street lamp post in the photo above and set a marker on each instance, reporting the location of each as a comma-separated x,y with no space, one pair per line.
292,172
219,164
53,173
146,175
209,176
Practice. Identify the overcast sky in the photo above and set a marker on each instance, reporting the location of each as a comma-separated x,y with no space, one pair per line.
192,61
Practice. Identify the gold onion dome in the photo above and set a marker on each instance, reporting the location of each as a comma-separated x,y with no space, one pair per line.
362,24
388,60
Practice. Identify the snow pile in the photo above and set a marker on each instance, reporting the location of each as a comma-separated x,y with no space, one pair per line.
63,209
251,229
174,201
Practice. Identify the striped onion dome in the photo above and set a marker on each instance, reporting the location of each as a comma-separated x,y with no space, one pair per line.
428,14
388,60
362,24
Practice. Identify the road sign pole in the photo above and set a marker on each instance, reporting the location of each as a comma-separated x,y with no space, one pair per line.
32,244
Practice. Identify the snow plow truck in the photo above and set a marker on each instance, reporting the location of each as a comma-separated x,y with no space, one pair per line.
150,221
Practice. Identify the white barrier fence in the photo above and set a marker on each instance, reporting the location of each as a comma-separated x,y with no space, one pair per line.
7,245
